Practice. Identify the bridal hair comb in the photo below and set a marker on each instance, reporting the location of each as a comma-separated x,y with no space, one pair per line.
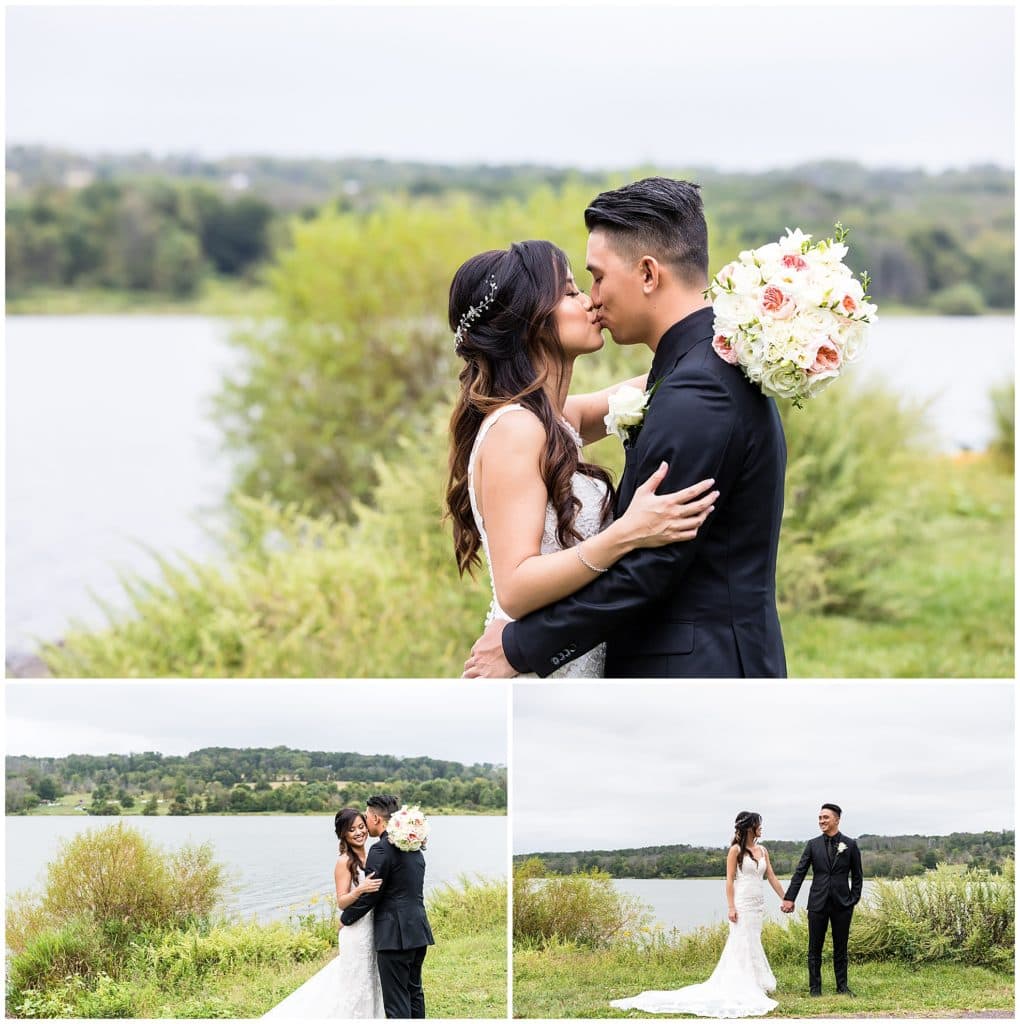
474,312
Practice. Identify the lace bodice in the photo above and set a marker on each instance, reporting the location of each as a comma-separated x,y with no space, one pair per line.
588,522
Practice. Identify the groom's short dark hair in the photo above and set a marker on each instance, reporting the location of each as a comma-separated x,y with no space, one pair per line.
384,806
660,217
835,808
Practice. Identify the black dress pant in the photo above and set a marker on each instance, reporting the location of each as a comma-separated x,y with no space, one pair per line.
818,924
400,978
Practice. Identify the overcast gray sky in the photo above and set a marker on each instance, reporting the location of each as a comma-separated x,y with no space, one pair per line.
449,721
629,765
733,87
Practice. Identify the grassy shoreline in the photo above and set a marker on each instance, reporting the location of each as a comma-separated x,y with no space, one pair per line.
570,982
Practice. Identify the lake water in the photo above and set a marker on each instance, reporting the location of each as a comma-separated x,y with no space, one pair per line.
111,450
277,863
689,903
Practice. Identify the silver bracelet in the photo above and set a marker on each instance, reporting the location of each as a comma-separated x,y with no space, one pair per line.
585,562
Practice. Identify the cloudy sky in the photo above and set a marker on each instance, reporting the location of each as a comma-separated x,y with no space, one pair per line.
449,721
590,86
628,765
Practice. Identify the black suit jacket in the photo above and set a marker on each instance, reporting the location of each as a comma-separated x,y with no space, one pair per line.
842,882
400,920
700,608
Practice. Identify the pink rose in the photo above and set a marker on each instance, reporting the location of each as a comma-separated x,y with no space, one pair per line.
794,261
848,303
827,360
723,349
775,301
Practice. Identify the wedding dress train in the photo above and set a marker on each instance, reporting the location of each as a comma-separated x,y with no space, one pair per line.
588,522
347,988
741,979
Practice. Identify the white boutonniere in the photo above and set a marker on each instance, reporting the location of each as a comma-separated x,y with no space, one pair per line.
627,407
840,848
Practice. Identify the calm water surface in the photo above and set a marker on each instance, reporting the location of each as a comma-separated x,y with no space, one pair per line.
689,903
276,863
111,452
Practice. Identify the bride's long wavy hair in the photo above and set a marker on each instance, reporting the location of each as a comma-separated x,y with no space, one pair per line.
745,826
343,823
510,352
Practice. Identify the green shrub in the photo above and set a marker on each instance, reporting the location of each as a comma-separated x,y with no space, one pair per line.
583,908
855,475
49,956
120,883
966,917
961,299
1004,412
468,908
193,952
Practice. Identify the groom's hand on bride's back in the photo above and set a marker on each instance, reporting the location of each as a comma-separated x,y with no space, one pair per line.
487,660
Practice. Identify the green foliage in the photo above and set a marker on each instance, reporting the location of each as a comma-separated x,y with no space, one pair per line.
882,856
120,882
469,907
1004,410
854,469
581,908
965,917
960,299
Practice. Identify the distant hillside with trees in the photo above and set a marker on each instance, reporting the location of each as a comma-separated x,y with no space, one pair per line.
882,857
165,226
224,780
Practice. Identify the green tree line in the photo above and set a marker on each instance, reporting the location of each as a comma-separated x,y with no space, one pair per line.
140,224
882,857
221,780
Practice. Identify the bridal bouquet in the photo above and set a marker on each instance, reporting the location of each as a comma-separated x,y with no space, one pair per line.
407,829
791,314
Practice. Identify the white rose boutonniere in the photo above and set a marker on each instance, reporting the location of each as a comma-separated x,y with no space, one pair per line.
841,848
627,407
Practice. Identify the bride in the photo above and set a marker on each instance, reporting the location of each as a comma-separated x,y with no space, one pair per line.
518,487
348,987
741,979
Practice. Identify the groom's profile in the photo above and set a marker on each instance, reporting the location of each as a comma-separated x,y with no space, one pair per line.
837,882
401,926
706,607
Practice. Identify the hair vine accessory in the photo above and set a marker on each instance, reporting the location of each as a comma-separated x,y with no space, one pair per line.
474,312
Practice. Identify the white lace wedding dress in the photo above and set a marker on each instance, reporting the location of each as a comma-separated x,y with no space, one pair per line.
347,988
591,493
740,980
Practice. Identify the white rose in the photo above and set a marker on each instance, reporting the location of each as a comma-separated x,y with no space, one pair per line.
784,380
626,409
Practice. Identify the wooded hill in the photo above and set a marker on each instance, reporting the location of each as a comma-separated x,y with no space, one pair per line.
882,856
218,780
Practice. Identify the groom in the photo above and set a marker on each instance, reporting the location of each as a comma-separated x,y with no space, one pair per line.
836,885
402,932
706,607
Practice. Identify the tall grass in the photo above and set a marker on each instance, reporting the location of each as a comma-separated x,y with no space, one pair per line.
310,596
1003,401
241,969
945,915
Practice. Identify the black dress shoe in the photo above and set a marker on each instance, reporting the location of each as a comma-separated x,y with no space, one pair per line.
845,992
815,992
